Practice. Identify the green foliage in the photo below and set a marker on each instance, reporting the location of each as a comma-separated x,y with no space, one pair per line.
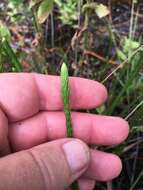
16,65
16,2
128,46
68,11
131,79
34,3
6,50
4,33
15,10
45,8
100,9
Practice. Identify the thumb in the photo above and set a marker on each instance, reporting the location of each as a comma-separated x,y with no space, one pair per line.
54,165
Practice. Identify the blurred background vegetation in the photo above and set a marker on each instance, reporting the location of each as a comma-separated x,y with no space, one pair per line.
100,40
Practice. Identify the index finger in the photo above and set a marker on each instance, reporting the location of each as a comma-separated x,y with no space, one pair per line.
84,93
23,95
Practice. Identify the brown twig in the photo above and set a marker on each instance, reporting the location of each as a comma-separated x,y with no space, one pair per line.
101,58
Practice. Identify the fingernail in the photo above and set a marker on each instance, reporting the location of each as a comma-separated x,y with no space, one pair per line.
77,155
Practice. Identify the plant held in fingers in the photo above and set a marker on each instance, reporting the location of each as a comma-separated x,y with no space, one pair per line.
65,93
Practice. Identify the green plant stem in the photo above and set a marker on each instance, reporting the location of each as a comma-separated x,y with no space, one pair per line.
65,92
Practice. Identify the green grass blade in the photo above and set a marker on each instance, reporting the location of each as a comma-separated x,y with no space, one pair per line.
131,78
11,55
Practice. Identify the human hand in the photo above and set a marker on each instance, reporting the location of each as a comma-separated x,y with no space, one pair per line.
32,120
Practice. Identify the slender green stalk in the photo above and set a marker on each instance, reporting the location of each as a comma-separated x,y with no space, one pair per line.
65,92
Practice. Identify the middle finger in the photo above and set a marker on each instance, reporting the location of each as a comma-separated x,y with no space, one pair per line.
47,126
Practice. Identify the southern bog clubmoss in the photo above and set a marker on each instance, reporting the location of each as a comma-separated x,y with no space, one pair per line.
65,93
